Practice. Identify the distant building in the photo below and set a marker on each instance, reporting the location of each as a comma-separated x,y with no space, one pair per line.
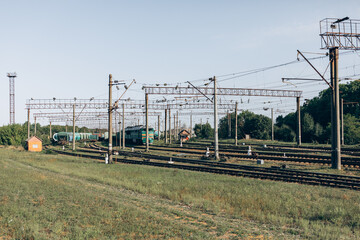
184,135
34,144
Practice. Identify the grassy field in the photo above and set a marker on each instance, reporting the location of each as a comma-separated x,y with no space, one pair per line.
45,196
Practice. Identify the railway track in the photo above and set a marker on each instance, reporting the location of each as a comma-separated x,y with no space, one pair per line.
275,174
293,148
270,156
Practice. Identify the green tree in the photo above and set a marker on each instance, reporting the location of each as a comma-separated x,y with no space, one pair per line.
258,126
351,129
284,133
308,128
14,134
204,130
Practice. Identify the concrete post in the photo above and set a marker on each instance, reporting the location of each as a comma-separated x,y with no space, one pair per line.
123,126
110,120
169,125
147,121
342,121
73,137
166,131
28,128
216,137
175,138
272,124
236,123
50,131
35,126
229,124
335,113
298,126
159,132
191,124
119,133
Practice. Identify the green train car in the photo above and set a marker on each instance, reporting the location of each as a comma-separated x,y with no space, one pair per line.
68,136
137,135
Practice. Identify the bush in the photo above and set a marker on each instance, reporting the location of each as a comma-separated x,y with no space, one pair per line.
14,134
284,133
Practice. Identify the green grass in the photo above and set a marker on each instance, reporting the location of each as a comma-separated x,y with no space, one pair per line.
51,196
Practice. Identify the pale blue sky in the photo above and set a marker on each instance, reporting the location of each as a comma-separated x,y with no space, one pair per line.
66,49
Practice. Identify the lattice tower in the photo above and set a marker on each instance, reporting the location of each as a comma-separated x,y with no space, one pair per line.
12,77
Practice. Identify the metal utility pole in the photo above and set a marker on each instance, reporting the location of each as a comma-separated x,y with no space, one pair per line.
298,126
28,128
147,120
216,138
12,77
35,126
159,127
169,111
110,120
335,109
73,137
236,124
123,126
166,131
272,124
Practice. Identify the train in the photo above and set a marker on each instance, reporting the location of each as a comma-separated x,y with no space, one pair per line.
68,137
137,135
133,135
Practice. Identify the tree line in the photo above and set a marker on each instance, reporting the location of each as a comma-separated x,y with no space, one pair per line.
16,134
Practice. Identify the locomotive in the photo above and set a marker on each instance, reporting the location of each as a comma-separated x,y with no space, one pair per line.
137,135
